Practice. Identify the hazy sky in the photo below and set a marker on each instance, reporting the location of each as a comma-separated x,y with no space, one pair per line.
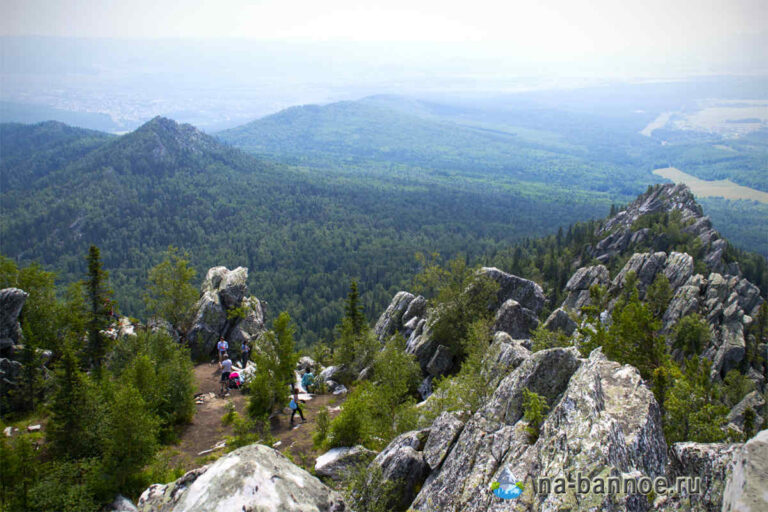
214,62
540,28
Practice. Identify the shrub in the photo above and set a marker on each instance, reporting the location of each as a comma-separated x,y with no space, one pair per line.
534,409
691,334
542,339
368,491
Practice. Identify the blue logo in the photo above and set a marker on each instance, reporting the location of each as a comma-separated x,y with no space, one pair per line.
506,486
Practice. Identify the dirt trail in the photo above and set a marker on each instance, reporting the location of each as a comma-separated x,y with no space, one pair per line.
206,430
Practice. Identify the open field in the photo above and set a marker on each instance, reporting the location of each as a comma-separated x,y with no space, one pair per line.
719,188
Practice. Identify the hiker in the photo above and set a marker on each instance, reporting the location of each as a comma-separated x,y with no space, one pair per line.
245,353
222,346
226,369
294,405
307,380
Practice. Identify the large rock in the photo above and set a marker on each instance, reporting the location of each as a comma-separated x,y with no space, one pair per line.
515,320
579,284
754,401
603,421
529,294
254,477
560,320
11,302
122,504
402,462
222,292
441,361
391,320
747,487
445,430
710,463
337,463
9,372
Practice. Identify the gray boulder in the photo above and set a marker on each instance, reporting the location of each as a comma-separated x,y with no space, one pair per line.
747,486
330,373
160,325
122,504
515,320
11,302
529,294
306,363
337,463
710,463
391,320
579,284
504,355
444,431
402,462
731,350
560,320
416,310
441,361
754,401
9,371
254,477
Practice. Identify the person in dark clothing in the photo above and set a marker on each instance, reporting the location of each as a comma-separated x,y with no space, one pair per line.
295,405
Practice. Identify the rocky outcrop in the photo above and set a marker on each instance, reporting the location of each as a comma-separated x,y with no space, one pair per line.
444,431
224,309
515,320
754,401
747,486
579,284
403,462
518,303
391,321
11,302
602,421
710,463
728,303
337,463
560,320
122,504
254,477
527,293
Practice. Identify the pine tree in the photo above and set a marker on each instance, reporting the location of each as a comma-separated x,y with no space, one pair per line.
99,308
353,312
72,429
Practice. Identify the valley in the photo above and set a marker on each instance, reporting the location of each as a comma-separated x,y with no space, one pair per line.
725,189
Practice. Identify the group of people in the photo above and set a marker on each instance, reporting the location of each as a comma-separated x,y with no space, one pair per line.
225,364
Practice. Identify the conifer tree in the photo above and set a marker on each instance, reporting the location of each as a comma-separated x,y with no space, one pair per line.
99,308
353,312
74,410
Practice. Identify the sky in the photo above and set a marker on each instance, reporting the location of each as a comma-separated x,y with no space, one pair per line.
218,62
553,29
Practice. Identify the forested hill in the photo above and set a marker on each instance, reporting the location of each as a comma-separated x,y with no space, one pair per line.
30,152
583,142
387,135
304,234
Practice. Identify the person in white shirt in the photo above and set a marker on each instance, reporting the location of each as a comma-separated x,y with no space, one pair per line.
226,369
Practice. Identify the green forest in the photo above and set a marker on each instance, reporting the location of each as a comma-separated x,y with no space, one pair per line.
315,196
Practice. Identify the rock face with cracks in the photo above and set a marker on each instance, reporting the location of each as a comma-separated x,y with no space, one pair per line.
225,309
254,478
